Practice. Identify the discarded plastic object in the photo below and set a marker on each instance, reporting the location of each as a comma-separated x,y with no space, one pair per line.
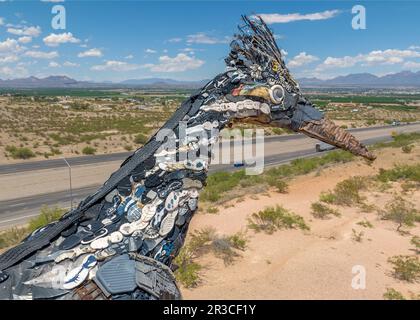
116,276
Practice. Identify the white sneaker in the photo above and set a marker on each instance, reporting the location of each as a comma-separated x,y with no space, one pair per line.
168,223
79,274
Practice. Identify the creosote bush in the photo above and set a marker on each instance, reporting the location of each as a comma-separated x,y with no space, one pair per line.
322,211
406,268
276,218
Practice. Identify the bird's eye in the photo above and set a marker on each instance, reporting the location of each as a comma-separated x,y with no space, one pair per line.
276,94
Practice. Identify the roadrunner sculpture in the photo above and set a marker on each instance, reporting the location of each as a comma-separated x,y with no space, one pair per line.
120,242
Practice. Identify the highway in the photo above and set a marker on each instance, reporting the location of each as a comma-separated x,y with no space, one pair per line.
18,210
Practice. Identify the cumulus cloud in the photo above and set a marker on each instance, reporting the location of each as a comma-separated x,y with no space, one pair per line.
25,31
181,62
90,53
411,65
9,59
130,56
70,64
53,64
175,40
375,57
25,39
9,46
302,59
1,21
271,18
203,38
41,54
115,65
13,72
53,40
150,50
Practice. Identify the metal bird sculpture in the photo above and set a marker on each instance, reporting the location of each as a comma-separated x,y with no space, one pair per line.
120,242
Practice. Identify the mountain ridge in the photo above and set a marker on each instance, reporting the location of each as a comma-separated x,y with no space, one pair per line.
399,79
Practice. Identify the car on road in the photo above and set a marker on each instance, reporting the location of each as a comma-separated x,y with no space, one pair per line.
322,146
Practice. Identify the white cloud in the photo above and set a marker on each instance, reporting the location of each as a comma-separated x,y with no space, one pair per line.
150,50
188,50
53,64
25,39
16,72
71,64
114,65
9,59
9,45
302,59
41,54
52,1
175,40
375,57
90,53
271,18
181,62
414,47
411,65
53,40
130,56
1,21
203,38
25,31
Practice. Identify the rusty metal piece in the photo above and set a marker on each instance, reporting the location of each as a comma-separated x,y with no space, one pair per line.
88,291
327,131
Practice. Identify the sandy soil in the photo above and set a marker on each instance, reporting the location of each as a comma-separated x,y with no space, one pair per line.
316,264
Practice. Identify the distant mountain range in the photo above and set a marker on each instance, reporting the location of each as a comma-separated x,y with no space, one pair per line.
400,79
66,82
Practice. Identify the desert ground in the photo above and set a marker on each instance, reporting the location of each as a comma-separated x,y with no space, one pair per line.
315,264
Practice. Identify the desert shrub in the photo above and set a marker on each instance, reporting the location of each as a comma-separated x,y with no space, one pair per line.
212,210
407,149
188,270
88,150
401,211
416,242
406,268
365,224
392,294
12,236
347,191
327,197
275,218
357,236
128,147
322,211
46,216
402,172
280,185
140,139
20,152
238,240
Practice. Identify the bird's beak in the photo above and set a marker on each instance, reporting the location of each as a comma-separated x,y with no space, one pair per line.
308,120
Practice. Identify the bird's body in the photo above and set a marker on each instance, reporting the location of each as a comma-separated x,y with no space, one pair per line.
120,242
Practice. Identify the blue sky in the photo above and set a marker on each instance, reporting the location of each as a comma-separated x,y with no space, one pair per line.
188,40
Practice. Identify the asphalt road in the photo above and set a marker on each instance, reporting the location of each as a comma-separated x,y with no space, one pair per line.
20,210
85,160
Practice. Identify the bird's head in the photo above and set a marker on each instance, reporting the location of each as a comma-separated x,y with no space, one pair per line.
259,83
